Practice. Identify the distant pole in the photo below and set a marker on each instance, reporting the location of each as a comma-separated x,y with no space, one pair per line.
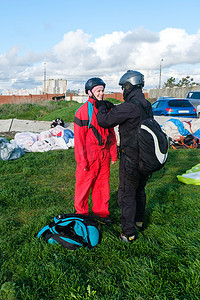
45,79
160,73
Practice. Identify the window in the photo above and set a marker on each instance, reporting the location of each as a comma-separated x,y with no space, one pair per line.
194,95
155,104
161,104
179,103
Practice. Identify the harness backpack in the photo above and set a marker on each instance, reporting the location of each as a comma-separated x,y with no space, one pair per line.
150,141
72,231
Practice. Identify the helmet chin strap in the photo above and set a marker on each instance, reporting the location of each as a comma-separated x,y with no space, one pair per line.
93,97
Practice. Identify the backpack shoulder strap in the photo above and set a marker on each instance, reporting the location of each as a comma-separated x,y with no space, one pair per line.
90,112
146,112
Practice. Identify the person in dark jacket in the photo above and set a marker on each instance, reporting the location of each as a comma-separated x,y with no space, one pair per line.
95,149
131,192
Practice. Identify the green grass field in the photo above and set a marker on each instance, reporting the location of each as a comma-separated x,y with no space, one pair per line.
163,263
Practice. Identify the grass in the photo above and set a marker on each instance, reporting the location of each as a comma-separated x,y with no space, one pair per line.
46,111
163,263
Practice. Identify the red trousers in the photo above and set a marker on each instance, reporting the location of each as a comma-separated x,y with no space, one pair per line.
95,179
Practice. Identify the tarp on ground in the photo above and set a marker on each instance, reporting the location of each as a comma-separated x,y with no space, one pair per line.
9,151
175,129
191,176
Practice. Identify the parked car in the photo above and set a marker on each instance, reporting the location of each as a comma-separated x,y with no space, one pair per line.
198,111
174,107
194,98
164,97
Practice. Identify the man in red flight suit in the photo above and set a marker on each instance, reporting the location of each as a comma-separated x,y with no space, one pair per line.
94,148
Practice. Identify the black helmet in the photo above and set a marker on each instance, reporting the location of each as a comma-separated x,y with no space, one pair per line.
133,77
92,82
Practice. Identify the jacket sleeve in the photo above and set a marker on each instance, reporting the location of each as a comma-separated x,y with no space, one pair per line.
113,144
80,132
116,116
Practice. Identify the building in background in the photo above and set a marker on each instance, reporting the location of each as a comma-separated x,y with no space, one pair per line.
50,86
55,86
22,92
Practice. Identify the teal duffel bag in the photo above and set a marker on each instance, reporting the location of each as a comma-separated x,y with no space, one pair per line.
72,231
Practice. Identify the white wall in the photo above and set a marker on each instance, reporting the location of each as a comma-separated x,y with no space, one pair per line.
176,92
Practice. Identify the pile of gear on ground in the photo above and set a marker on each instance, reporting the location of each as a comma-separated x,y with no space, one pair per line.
56,138
185,134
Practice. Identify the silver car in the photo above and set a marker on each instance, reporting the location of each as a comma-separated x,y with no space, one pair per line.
194,98
198,111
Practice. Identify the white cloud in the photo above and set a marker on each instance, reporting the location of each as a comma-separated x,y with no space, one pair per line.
103,44
77,57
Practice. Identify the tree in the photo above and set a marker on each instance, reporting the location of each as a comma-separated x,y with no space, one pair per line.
170,82
187,81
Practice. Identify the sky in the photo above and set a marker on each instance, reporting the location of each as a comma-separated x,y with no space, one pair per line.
76,40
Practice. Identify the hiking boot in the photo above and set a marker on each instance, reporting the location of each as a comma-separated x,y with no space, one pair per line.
127,239
106,220
139,225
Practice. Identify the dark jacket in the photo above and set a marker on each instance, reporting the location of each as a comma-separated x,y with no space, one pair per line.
127,115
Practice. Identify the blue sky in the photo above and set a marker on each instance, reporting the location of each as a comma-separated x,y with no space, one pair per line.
79,39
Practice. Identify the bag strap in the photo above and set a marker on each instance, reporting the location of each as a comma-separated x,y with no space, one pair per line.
66,241
43,230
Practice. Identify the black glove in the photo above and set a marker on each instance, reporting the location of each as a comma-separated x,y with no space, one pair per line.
99,103
108,105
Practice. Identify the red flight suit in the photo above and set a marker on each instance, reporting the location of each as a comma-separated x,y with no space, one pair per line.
94,147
